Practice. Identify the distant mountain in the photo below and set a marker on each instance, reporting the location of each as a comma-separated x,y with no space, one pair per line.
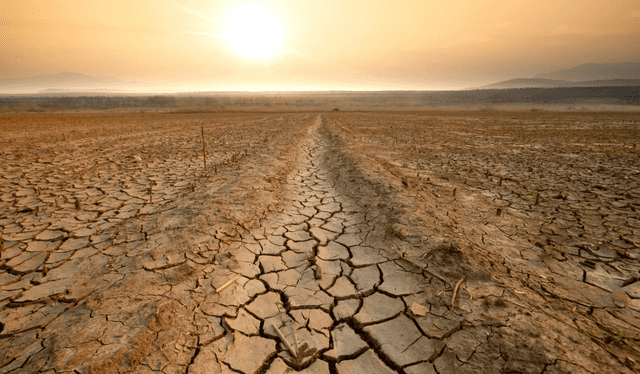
592,72
586,75
529,82
62,81
554,83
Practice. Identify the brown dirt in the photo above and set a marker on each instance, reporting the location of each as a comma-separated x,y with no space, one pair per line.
349,229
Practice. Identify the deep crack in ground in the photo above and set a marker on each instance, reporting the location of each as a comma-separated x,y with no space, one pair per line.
329,310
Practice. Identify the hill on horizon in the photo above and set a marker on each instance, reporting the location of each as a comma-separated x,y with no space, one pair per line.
60,81
592,72
553,83
585,75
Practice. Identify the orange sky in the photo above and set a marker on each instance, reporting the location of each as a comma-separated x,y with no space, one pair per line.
328,44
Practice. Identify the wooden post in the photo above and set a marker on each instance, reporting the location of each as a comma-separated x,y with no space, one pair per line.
150,192
204,151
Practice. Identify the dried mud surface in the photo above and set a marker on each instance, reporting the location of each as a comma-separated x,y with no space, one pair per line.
441,242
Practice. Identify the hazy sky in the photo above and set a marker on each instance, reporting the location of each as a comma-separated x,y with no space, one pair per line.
324,44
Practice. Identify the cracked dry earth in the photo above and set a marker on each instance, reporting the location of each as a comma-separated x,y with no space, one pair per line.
323,278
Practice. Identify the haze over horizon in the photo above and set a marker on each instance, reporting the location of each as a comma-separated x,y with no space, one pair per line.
304,45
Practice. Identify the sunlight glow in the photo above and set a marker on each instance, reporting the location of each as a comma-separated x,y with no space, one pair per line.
253,32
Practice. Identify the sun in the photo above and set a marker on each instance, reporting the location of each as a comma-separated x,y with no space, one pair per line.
252,31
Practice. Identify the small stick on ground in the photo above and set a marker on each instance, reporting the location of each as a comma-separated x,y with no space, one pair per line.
295,337
284,340
228,283
78,205
455,292
435,275
204,151
150,192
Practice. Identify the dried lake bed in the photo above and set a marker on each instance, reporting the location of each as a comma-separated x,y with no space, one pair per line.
343,242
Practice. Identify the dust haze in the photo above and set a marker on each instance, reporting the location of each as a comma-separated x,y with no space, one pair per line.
367,187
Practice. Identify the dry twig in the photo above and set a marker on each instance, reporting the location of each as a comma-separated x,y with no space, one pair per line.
228,283
455,292
295,337
435,275
204,151
284,340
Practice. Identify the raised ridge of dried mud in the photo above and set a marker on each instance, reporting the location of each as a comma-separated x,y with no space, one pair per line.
330,240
